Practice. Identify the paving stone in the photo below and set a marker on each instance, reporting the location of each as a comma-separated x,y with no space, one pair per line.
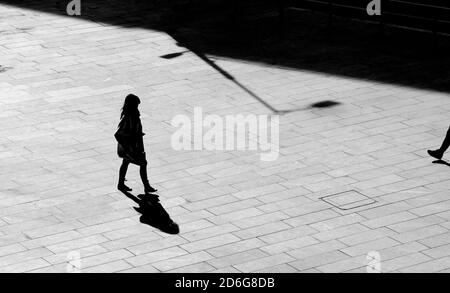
438,252
156,256
209,232
279,196
416,224
227,270
260,220
111,267
312,218
285,235
262,263
104,258
238,258
141,269
54,229
196,225
318,260
307,208
385,210
367,247
261,230
431,209
195,268
315,249
181,261
367,236
75,244
27,255
156,245
52,239
234,248
435,241
337,222
429,267
10,249
210,242
389,220
235,216
344,265
130,241
401,250
234,207
279,269
213,202
419,234
340,232
25,266
259,191
129,231
62,257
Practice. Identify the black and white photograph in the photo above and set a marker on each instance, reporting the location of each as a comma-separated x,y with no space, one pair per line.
248,140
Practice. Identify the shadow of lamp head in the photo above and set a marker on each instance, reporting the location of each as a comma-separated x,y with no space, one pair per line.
324,104
172,55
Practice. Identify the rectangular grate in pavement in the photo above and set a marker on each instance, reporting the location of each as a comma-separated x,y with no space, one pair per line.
348,200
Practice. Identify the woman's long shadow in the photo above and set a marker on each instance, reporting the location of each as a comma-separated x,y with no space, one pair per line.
153,213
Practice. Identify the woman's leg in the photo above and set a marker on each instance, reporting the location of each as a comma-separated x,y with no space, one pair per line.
122,173
144,178
439,153
446,142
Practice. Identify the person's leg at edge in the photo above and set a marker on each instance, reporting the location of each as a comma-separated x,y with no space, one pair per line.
446,144
439,153
143,172
122,173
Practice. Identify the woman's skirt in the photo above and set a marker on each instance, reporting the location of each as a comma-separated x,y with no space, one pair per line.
133,154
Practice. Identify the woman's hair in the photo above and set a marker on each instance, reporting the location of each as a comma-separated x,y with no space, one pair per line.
130,106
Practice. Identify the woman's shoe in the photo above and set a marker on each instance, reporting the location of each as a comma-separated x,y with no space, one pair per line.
123,187
436,154
149,189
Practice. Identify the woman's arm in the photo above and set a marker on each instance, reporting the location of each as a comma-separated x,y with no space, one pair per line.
124,130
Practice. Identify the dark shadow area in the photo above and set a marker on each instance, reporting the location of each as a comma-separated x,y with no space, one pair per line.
153,213
442,162
325,104
250,30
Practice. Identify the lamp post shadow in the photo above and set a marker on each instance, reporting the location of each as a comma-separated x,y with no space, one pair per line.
153,213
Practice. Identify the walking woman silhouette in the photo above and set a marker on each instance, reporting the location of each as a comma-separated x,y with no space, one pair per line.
130,145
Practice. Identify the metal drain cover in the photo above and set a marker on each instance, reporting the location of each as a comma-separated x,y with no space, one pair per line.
348,200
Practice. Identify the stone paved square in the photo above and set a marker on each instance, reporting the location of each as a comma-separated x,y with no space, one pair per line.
355,113
348,200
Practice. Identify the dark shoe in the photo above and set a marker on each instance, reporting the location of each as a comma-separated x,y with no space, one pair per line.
149,189
435,154
123,187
